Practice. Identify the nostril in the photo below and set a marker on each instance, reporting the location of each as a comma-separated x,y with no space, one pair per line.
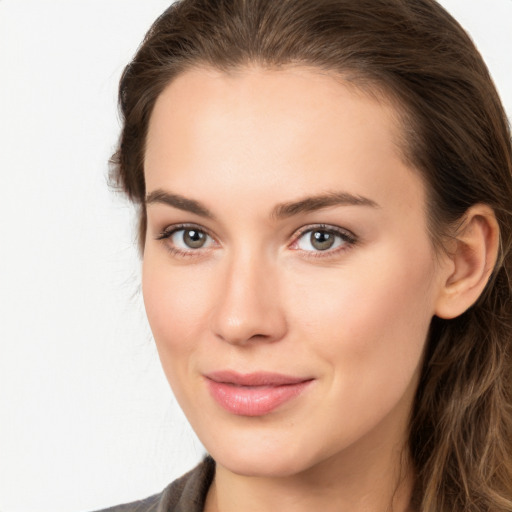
248,307
254,324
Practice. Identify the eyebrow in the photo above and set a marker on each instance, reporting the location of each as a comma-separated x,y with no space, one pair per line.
283,210
313,203
180,202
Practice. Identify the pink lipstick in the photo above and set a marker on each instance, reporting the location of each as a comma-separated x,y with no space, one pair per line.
254,394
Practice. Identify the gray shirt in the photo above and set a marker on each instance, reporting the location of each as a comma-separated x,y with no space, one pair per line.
186,494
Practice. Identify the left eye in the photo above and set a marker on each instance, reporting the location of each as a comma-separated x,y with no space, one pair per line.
322,240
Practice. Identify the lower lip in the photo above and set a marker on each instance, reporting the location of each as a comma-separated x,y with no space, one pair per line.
254,400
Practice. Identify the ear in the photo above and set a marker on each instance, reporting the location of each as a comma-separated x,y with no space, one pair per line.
470,261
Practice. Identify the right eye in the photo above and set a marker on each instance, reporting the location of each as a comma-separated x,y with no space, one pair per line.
186,239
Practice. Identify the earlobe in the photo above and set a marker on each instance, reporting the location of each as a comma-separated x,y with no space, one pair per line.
471,261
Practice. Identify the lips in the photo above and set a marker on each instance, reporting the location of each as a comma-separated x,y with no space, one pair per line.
254,394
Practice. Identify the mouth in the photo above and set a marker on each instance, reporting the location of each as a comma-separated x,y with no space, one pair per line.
254,394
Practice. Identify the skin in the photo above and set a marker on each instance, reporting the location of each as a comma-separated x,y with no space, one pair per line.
259,297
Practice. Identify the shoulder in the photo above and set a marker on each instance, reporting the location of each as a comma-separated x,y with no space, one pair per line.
146,505
186,494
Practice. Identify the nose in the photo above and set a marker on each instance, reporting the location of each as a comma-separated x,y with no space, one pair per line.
248,307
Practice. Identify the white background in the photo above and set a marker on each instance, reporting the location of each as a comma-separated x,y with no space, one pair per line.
86,416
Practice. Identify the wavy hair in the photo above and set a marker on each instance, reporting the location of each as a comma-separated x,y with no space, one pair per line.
455,134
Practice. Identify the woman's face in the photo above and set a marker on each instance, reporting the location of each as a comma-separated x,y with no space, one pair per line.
288,276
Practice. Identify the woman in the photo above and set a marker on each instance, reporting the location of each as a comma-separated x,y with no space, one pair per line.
324,191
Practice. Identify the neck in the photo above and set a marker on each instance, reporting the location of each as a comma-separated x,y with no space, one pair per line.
348,483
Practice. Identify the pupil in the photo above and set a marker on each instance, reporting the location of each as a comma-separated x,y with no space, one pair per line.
194,238
322,240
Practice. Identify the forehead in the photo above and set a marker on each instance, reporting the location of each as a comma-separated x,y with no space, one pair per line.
291,97
287,130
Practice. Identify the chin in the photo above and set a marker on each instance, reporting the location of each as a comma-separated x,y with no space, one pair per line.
259,459
260,467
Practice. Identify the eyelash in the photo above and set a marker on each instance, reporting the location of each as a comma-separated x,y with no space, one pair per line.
348,240
168,232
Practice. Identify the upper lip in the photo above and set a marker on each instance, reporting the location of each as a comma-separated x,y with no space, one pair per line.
254,379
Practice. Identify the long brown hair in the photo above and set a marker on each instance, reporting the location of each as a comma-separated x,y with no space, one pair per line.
455,134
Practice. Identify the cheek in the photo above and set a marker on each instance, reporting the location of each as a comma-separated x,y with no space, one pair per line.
174,300
369,318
